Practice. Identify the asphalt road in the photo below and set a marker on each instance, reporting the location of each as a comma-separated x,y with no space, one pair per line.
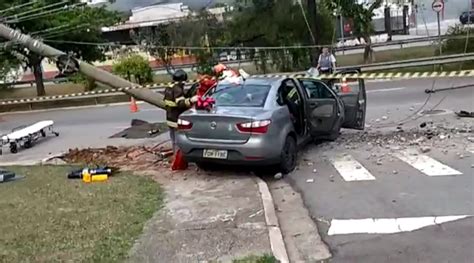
78,128
389,177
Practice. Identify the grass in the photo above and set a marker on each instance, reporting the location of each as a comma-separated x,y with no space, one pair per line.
46,217
388,55
256,259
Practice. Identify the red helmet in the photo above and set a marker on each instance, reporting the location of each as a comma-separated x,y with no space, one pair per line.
219,68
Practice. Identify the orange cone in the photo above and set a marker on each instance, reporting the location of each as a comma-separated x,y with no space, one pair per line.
179,163
133,105
344,86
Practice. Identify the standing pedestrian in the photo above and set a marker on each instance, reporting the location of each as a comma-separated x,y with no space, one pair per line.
326,62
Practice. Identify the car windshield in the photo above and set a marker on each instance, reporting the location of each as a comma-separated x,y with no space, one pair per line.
240,95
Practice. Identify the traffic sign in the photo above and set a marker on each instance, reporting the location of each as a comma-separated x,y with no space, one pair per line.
438,5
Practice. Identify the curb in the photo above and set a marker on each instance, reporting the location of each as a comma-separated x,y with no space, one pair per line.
274,232
70,108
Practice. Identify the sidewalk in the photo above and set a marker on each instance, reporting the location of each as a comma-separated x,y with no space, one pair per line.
205,218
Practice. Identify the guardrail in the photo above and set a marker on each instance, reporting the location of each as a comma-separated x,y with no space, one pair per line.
420,62
336,49
96,95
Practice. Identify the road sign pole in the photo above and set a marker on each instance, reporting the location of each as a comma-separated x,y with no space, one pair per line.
439,35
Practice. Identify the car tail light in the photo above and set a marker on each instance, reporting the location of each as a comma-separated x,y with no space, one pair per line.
184,124
254,126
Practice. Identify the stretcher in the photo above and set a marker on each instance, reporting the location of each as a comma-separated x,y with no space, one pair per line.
26,136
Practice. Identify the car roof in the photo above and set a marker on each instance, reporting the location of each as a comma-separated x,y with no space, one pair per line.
262,80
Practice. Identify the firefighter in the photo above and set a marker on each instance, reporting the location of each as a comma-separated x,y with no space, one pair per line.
176,103
205,83
223,72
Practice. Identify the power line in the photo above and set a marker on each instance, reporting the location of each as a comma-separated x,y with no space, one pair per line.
62,32
16,7
35,10
46,13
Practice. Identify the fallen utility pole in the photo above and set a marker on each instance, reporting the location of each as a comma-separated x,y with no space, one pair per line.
89,70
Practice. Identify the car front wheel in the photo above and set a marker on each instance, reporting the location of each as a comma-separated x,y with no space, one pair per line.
289,155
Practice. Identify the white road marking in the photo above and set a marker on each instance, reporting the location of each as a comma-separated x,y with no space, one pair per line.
383,90
386,225
470,148
350,169
426,164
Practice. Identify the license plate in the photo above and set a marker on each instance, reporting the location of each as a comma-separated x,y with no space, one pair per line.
215,154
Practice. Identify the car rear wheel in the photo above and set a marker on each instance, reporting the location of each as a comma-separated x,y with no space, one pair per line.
289,154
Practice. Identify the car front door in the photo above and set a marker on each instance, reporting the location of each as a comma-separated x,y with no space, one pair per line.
354,97
322,111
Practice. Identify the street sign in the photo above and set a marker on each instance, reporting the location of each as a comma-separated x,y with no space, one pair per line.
438,5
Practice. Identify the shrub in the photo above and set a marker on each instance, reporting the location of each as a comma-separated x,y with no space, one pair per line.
459,45
134,68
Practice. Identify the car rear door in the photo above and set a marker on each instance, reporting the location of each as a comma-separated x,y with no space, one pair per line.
322,111
355,100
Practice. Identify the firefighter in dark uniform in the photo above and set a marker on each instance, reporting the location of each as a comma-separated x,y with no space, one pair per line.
176,103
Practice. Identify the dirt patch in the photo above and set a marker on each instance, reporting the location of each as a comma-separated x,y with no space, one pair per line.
132,157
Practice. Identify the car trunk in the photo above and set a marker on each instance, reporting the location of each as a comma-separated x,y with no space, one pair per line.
220,124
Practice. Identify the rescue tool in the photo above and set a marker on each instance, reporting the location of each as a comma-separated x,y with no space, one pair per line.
26,136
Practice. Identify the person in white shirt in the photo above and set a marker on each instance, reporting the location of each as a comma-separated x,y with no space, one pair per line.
326,62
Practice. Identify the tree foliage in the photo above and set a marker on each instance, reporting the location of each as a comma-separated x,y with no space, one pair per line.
59,25
459,45
134,66
279,23
264,23
165,41
362,15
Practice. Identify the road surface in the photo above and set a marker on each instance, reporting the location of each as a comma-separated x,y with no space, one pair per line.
367,192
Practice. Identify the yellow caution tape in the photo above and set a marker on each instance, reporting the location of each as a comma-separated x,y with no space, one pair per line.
383,75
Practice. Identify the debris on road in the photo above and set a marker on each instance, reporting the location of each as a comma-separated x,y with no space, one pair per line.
310,180
425,149
278,176
141,129
465,114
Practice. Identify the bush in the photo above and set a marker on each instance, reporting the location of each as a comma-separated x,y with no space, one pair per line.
134,66
80,78
460,45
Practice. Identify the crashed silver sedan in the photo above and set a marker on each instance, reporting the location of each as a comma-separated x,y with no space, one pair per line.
262,122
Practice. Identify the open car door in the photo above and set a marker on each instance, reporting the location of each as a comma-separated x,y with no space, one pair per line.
322,111
354,96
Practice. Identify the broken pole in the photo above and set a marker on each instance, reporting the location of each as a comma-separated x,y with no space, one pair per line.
87,69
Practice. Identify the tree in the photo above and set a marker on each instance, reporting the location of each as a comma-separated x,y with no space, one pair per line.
362,15
135,66
164,41
279,23
60,26
8,68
